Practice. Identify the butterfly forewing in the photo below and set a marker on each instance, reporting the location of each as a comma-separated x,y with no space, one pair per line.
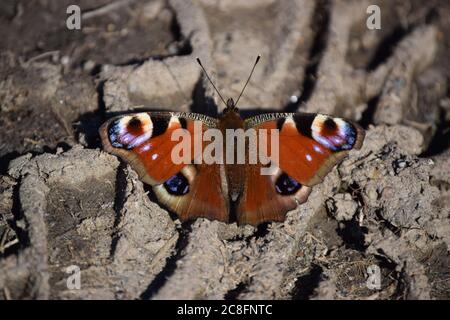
310,145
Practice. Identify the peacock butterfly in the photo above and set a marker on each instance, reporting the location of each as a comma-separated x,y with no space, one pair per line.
309,146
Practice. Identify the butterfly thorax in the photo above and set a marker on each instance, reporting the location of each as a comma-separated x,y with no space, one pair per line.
230,118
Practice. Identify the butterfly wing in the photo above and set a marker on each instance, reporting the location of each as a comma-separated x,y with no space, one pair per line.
144,140
309,146
200,196
261,201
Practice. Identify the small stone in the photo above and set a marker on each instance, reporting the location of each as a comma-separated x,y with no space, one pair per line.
345,206
65,60
88,66
152,9
372,193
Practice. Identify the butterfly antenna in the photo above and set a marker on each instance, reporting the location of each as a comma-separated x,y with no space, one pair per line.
206,73
248,80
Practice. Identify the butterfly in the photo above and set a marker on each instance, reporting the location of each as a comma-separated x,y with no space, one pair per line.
309,146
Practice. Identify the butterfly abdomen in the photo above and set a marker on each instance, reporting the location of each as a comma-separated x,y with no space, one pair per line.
234,172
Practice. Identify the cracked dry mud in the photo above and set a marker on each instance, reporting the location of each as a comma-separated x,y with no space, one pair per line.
65,202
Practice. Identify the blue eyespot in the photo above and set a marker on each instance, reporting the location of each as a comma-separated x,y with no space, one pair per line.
285,185
177,185
113,134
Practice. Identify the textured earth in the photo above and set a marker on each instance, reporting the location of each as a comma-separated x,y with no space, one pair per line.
64,202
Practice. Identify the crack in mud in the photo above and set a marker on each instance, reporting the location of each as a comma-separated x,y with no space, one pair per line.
307,283
321,27
119,201
171,263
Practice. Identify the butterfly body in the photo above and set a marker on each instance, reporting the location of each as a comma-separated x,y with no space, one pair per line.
309,147
231,120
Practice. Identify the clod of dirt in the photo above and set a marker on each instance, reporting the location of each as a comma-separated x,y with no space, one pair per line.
73,217
343,207
39,105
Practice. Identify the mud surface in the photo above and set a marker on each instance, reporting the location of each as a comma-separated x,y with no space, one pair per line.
64,202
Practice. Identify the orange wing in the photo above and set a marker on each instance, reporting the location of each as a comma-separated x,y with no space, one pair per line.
310,145
194,192
261,200
144,141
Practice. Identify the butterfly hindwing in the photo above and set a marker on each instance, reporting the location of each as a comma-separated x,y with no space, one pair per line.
196,191
268,197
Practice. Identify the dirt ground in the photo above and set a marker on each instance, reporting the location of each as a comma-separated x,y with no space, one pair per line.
65,202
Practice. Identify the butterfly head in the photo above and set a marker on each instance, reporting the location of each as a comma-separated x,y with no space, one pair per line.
230,117
231,106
